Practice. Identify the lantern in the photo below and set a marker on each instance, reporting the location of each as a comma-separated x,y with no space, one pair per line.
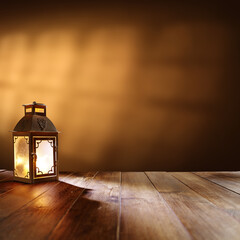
35,141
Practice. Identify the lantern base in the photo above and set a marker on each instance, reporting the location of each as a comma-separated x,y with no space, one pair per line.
24,180
37,180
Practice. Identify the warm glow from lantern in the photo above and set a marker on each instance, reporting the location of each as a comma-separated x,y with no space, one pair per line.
21,157
45,158
39,110
35,146
22,165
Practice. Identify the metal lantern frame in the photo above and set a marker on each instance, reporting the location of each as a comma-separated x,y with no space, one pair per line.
36,128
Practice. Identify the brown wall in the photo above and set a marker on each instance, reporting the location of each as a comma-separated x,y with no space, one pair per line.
140,86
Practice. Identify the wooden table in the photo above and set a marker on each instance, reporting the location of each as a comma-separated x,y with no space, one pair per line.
122,205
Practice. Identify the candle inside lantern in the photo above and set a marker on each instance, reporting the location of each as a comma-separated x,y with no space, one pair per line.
21,152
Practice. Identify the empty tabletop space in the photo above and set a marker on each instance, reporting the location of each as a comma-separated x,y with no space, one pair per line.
122,205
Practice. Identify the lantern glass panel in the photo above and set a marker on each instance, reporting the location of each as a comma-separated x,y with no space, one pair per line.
45,157
21,156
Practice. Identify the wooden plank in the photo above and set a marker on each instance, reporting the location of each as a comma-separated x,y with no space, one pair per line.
20,196
144,213
36,219
6,176
230,180
80,179
221,197
202,219
7,184
95,214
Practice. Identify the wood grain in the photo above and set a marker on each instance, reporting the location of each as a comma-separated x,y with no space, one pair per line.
202,219
219,196
6,176
229,180
129,205
144,213
95,213
5,182
20,196
7,186
40,215
80,179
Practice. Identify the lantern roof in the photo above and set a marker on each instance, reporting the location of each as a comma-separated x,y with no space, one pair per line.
34,104
35,119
